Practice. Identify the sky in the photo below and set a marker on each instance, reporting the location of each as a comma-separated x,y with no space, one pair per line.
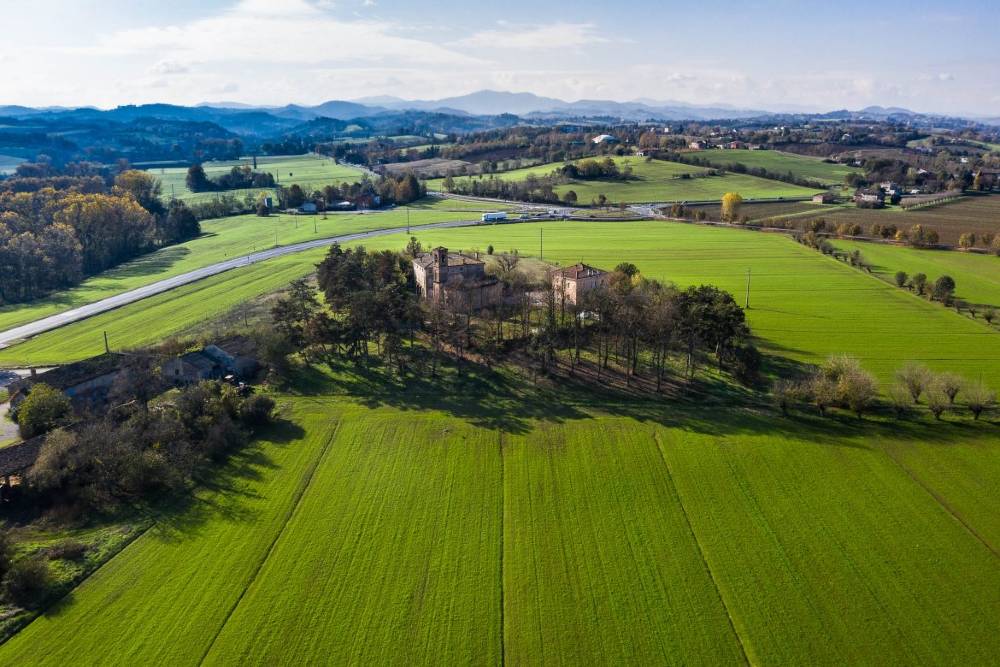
777,55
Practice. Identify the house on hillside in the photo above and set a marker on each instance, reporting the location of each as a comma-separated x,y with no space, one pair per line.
870,198
455,279
571,283
698,145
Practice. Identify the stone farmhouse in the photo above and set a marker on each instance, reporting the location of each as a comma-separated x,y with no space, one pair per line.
456,279
571,283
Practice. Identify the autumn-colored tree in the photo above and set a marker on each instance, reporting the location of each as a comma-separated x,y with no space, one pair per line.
731,204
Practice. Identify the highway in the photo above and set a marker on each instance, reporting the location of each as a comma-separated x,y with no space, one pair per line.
61,319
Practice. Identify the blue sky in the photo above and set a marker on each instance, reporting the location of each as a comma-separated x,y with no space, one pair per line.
928,56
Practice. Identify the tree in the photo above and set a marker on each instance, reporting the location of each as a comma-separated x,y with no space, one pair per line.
901,278
414,248
42,410
915,377
857,389
142,187
937,402
786,394
900,399
978,397
919,283
731,204
967,240
950,384
944,289
570,198
989,315
197,180
181,223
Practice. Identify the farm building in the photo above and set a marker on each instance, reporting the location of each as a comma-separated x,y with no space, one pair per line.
15,460
870,198
604,139
574,281
211,363
824,198
698,145
85,383
455,279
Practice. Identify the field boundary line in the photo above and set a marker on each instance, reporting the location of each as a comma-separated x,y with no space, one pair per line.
299,494
701,550
940,500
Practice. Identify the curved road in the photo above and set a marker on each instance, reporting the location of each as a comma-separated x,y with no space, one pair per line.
119,300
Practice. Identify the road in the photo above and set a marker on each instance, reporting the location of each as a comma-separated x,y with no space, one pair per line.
125,298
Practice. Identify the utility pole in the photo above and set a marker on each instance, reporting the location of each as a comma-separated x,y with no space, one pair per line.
541,254
407,221
107,348
747,306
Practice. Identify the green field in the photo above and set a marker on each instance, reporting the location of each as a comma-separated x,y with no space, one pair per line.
657,181
979,214
804,306
431,525
780,163
223,239
977,276
309,171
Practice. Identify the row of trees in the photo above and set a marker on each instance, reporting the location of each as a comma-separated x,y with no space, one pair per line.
237,178
841,382
52,238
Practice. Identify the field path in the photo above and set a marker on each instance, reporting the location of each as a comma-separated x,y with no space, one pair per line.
55,321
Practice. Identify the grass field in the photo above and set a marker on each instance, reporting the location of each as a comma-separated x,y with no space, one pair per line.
433,525
977,276
224,239
977,214
657,181
309,171
804,306
780,163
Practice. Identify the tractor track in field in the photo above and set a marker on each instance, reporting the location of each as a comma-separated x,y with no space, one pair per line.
300,493
701,550
940,500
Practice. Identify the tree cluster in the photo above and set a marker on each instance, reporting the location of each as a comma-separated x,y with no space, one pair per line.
143,450
52,238
237,178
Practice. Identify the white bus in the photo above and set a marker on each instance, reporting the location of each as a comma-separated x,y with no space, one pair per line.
493,217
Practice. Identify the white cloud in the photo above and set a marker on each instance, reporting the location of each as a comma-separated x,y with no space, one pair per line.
266,32
536,38
164,67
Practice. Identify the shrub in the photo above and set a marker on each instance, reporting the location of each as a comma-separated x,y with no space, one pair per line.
257,410
901,278
42,410
67,550
978,397
944,289
28,582
822,393
915,377
6,548
918,283
989,315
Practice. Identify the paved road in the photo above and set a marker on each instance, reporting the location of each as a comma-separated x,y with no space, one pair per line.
119,300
